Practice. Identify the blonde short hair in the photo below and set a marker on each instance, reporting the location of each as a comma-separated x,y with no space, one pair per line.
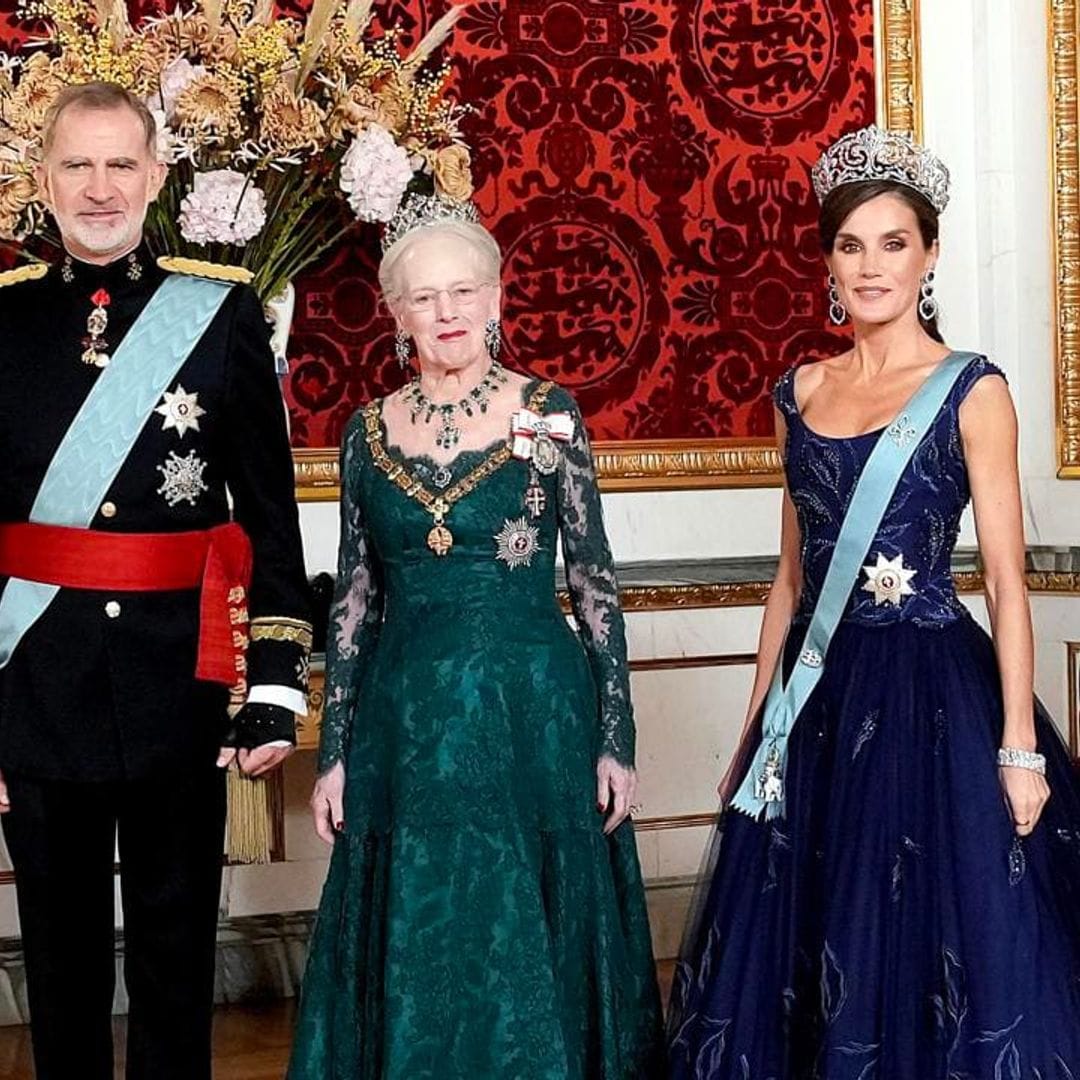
476,236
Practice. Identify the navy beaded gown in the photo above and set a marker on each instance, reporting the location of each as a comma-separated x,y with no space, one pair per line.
891,925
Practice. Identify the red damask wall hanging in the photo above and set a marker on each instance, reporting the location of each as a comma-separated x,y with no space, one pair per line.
645,167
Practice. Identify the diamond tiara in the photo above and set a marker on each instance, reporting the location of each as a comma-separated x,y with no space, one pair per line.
873,154
418,210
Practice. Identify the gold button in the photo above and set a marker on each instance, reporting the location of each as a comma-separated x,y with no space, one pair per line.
112,609
108,509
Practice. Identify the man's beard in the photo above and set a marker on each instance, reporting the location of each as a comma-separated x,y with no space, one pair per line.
99,241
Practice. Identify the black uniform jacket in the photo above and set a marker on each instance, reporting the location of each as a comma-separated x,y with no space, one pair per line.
102,687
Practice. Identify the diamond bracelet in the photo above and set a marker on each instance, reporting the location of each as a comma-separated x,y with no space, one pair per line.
1011,757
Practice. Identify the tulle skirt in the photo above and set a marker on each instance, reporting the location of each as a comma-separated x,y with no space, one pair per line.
891,926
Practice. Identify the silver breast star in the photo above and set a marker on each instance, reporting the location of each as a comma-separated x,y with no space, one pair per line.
516,543
888,580
181,411
182,478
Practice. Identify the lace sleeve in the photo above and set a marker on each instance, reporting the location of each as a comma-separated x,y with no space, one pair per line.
594,591
356,611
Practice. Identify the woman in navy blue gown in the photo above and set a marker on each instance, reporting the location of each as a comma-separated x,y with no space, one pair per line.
910,910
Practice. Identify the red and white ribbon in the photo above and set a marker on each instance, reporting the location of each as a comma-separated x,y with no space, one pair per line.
527,426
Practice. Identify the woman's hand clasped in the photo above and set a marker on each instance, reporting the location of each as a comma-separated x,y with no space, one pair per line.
616,786
327,802
1026,793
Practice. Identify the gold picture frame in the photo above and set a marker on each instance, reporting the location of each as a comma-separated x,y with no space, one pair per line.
650,465
1063,33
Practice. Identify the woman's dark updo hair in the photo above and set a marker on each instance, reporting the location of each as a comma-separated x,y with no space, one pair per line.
842,201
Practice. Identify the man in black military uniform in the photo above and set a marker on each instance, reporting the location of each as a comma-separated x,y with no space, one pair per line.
106,735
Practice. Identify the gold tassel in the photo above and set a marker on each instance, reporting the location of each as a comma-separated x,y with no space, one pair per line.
254,807
434,37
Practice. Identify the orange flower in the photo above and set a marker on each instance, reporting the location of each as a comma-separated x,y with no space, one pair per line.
453,172
290,123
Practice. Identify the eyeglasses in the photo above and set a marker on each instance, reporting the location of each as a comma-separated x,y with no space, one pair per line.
460,296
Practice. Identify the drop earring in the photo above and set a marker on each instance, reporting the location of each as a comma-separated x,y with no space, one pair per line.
403,349
493,338
837,311
928,305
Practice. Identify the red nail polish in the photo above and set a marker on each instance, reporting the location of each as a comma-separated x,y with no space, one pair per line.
339,825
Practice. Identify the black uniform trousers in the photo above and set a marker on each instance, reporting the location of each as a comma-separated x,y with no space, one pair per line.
170,834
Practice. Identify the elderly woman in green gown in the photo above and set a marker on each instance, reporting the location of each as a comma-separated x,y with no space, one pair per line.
484,915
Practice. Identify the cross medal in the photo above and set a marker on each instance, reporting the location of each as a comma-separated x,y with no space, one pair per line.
94,344
535,498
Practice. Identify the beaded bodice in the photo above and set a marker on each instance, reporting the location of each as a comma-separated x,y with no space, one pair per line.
919,528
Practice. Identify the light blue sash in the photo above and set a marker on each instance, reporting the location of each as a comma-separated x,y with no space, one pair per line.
105,428
762,788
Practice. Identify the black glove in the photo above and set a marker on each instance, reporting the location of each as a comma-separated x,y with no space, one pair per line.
257,724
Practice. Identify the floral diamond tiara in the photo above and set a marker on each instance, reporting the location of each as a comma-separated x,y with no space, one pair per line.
418,210
873,154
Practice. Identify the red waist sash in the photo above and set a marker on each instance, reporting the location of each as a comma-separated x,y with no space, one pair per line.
216,561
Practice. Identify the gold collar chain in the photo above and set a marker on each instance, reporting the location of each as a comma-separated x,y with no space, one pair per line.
440,539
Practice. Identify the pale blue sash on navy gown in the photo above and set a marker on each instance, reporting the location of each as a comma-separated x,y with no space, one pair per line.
762,789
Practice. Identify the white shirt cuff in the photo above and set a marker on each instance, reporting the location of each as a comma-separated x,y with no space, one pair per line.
288,697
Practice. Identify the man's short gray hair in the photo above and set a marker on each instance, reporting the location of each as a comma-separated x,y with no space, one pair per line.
99,95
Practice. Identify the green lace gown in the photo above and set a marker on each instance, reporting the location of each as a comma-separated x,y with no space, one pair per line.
475,921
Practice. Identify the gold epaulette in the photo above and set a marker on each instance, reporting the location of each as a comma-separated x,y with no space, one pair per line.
177,264
29,272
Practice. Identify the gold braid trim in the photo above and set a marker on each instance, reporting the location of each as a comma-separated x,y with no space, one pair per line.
30,272
281,628
439,505
178,264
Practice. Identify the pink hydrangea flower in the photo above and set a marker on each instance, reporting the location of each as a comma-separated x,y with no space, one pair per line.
375,172
223,208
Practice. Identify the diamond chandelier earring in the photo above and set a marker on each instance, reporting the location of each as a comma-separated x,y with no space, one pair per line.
403,349
493,338
837,311
928,305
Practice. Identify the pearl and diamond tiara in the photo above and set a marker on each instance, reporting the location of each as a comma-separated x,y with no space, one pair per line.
418,210
873,154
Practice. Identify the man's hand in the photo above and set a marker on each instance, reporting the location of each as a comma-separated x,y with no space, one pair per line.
5,799
261,738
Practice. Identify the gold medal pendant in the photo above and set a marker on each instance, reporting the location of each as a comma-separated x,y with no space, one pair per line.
440,539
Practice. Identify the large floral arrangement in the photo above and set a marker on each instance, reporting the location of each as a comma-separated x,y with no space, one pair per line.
279,135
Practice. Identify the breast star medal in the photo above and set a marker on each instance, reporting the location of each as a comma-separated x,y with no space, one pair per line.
516,543
182,478
94,344
181,411
888,580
